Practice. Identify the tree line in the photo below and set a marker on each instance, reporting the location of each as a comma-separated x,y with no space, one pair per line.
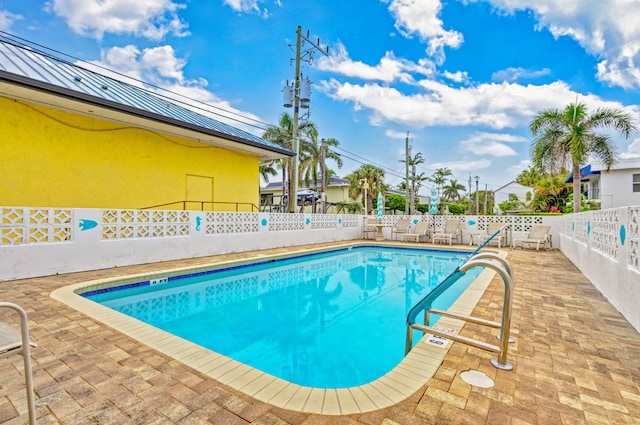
562,142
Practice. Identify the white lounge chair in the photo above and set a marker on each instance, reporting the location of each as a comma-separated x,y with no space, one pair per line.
421,230
538,235
369,227
402,226
451,230
13,342
500,238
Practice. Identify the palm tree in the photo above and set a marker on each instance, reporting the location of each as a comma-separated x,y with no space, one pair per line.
311,161
351,207
374,177
530,176
267,169
452,190
440,178
568,137
550,192
282,134
412,163
419,181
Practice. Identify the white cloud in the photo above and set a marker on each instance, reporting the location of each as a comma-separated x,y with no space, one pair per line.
606,29
458,77
394,134
462,167
153,65
519,167
7,19
248,6
492,144
160,67
489,105
388,69
633,150
514,74
152,19
421,18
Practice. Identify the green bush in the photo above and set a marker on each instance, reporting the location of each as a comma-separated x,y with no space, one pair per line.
423,208
457,209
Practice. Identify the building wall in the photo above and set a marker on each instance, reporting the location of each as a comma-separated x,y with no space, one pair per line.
517,189
616,188
59,159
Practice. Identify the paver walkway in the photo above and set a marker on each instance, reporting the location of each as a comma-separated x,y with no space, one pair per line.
576,359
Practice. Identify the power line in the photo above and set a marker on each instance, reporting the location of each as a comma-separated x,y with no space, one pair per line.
243,119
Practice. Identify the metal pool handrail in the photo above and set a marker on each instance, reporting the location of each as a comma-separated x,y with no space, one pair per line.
449,280
484,259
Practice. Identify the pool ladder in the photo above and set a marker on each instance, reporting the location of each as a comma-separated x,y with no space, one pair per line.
483,259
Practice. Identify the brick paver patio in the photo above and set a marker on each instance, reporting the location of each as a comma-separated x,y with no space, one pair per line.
576,361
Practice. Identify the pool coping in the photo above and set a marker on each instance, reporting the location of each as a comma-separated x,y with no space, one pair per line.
409,376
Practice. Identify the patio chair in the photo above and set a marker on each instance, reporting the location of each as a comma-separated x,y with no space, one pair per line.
420,230
12,342
402,226
538,235
369,227
500,238
451,230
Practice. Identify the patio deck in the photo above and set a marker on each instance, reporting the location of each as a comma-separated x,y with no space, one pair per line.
576,361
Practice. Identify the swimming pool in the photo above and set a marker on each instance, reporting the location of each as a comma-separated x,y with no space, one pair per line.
413,371
330,320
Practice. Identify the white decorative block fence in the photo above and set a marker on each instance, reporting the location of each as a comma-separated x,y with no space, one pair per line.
605,246
45,241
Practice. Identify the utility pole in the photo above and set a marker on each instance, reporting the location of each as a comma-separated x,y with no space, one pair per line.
412,198
293,181
293,169
407,194
470,200
477,201
485,198
323,194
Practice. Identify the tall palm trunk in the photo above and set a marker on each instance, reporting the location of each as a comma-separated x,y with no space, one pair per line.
577,195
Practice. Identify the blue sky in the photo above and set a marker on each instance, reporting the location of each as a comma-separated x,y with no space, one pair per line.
462,77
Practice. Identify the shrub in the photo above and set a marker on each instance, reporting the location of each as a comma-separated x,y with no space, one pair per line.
457,209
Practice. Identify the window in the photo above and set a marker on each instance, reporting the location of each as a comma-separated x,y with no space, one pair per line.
636,182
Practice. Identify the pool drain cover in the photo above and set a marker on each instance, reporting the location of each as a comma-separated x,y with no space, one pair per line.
477,379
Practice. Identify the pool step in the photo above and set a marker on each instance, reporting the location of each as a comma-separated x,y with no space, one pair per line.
465,340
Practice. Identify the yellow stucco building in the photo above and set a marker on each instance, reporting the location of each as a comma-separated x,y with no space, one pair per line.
70,137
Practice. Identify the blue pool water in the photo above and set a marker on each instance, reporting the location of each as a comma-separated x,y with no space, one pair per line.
329,320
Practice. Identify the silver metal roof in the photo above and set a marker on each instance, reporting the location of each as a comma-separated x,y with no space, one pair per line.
27,66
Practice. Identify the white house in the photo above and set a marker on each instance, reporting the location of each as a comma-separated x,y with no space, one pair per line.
618,187
510,192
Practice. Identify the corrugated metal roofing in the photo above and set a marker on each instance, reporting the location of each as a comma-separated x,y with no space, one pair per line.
26,62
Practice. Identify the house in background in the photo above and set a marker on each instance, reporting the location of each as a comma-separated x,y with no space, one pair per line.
618,187
72,137
509,192
337,193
